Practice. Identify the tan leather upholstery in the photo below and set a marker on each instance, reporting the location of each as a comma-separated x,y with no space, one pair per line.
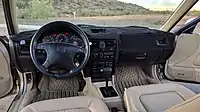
197,29
156,97
72,104
184,64
190,105
6,80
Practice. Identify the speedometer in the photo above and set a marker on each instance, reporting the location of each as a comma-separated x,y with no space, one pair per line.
61,38
75,40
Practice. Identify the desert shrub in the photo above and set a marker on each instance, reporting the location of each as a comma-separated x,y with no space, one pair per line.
36,9
162,12
41,9
194,13
21,4
23,13
158,22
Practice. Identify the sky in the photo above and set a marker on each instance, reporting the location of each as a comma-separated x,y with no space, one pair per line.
158,3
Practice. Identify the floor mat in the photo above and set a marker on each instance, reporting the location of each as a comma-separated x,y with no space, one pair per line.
46,95
51,88
129,76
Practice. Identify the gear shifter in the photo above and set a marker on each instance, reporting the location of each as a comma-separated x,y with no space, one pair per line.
107,72
107,91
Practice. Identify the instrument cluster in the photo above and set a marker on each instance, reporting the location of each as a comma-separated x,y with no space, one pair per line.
64,37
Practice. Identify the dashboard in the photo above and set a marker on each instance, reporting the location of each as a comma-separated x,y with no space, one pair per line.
109,47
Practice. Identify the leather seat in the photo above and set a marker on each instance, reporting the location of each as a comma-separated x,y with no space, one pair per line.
72,104
190,105
156,97
197,29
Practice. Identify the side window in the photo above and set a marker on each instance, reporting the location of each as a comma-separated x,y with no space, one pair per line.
3,28
193,13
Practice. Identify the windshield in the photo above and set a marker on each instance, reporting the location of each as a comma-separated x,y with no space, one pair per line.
148,13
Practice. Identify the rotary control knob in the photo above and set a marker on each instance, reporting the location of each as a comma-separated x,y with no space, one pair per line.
22,42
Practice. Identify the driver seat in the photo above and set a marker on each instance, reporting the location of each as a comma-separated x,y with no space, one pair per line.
71,104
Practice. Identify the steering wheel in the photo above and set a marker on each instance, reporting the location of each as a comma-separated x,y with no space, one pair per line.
59,53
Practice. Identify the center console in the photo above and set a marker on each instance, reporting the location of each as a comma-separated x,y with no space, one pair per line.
103,55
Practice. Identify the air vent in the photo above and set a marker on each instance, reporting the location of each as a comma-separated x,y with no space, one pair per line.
98,30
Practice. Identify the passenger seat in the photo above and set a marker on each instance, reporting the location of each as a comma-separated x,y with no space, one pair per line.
197,29
155,97
191,105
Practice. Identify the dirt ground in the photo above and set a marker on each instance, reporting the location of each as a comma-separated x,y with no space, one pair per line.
123,17
154,21
3,31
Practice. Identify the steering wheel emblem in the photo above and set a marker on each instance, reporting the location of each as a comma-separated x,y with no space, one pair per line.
61,49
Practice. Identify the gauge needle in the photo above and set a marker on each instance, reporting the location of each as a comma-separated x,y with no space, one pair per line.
61,40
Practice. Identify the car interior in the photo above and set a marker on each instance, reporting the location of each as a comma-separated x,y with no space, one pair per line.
66,67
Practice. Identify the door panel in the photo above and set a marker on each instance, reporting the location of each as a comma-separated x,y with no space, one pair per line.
184,64
6,80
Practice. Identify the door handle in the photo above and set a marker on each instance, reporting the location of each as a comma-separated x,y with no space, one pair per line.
161,42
